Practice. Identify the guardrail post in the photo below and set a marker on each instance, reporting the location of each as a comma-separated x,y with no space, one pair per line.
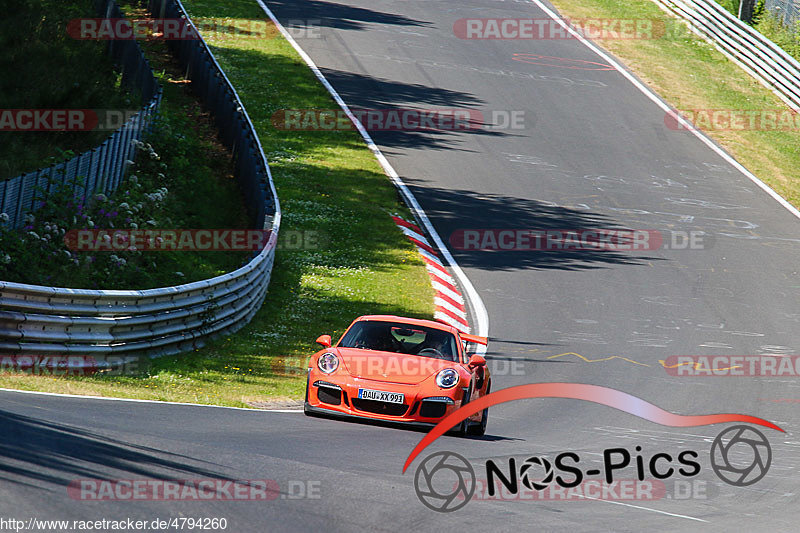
746,8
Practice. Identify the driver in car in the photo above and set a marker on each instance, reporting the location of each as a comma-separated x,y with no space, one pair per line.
377,339
435,346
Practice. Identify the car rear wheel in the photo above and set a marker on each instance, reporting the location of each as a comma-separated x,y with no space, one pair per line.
479,429
463,428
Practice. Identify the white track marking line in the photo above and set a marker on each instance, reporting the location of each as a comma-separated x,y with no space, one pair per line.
481,316
646,509
663,105
136,400
705,139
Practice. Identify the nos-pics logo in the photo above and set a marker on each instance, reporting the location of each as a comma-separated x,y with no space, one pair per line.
445,481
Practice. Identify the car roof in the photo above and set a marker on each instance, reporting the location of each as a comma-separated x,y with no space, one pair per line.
411,321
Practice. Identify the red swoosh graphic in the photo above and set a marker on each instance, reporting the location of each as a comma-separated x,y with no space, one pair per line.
579,391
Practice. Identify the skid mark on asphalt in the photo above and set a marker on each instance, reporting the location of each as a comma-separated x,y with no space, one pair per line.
720,345
662,362
563,62
697,366
528,159
479,70
610,358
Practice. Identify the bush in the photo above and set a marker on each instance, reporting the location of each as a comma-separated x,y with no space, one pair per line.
43,68
775,30
161,193
38,252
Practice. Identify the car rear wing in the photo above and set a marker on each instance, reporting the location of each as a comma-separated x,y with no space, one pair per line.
474,338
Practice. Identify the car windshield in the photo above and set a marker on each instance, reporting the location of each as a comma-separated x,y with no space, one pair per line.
401,338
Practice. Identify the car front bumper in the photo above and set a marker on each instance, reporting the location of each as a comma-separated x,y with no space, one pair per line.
339,398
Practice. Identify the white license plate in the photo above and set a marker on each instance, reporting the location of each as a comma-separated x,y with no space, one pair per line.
381,396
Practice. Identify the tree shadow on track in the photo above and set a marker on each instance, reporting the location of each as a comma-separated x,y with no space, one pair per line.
309,13
456,210
365,92
36,452
360,90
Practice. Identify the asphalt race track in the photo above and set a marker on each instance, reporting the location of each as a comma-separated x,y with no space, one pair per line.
593,152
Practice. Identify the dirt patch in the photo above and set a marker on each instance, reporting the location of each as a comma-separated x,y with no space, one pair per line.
278,404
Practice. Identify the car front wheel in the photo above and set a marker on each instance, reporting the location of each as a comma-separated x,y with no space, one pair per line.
479,429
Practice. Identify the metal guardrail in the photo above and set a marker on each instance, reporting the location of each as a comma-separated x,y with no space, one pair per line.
758,55
124,325
103,167
236,130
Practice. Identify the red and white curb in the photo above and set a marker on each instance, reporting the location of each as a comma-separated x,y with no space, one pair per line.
449,302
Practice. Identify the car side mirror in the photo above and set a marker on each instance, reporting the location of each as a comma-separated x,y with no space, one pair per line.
324,340
477,360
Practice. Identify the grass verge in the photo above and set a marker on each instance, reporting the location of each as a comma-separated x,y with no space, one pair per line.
340,255
787,37
689,73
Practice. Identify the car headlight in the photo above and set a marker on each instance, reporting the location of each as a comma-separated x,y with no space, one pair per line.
328,362
447,378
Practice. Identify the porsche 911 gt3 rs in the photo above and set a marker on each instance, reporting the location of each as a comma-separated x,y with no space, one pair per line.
400,370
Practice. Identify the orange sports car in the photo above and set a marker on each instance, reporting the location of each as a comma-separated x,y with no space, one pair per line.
400,370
